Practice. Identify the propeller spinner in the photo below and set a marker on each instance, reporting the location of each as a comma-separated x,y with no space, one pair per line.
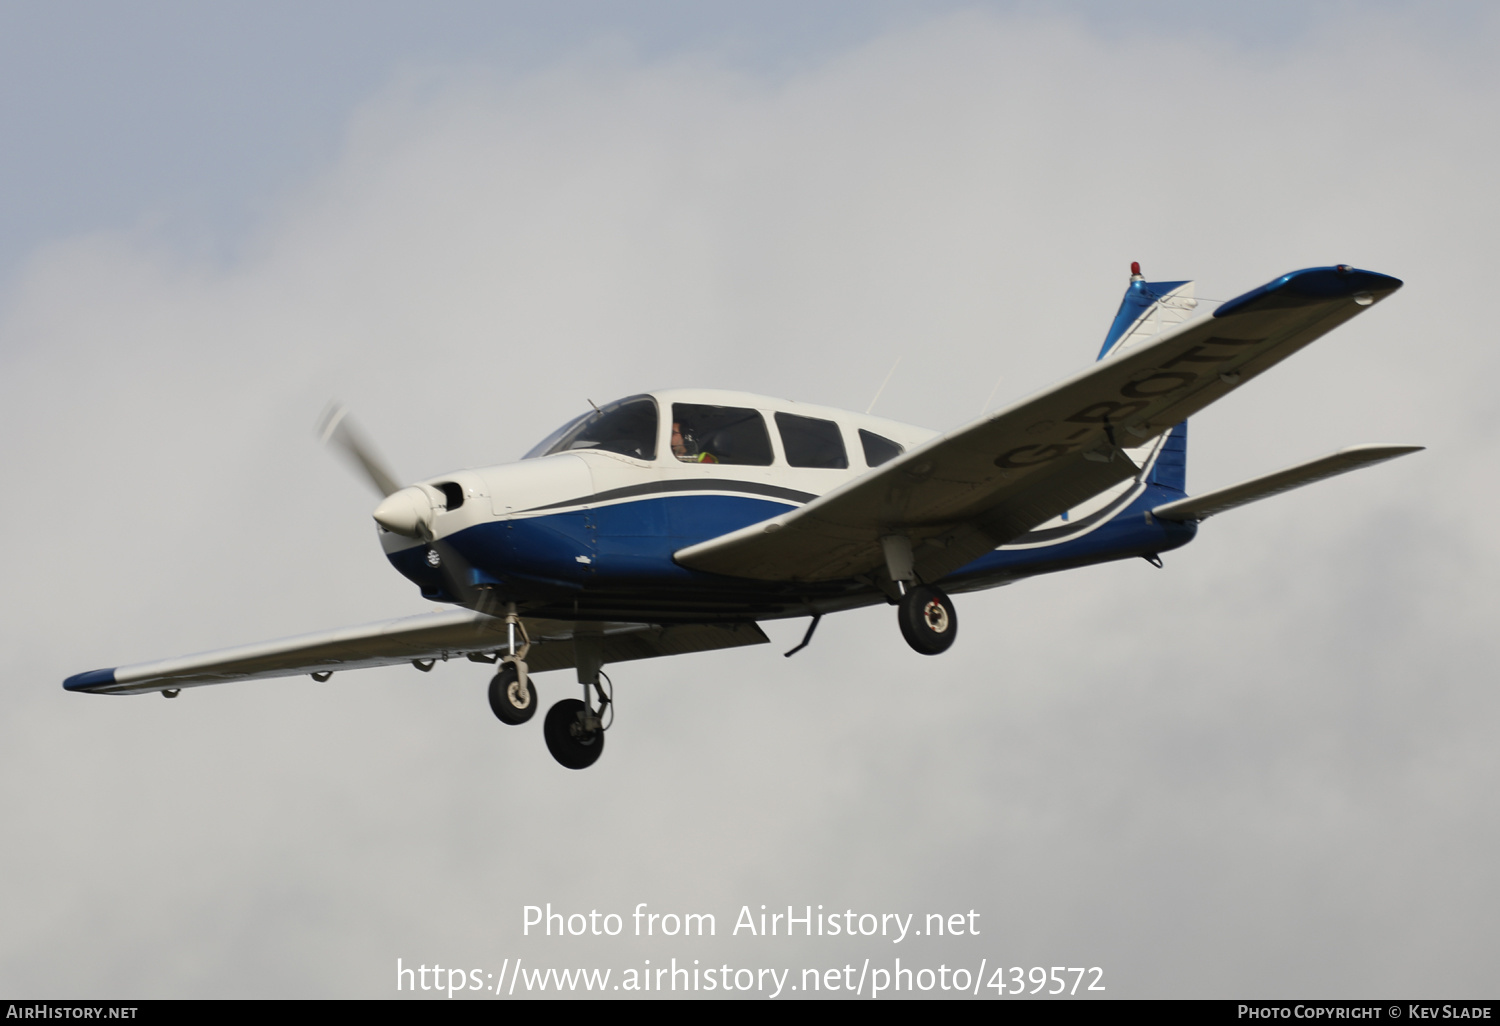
407,510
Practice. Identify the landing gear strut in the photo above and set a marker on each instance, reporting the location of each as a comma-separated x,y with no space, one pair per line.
574,729
512,698
928,620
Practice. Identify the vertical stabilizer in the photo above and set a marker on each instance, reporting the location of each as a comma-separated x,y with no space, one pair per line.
1148,308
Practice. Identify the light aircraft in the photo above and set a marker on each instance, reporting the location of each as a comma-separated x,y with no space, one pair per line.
673,521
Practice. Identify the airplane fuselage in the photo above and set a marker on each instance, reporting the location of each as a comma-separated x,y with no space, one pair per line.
590,533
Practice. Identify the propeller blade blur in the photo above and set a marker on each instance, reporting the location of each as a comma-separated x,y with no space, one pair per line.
336,427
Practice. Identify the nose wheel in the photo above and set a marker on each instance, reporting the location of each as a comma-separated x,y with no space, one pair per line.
512,699
928,621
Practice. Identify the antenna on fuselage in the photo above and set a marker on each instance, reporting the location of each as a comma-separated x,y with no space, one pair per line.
991,397
887,381
593,404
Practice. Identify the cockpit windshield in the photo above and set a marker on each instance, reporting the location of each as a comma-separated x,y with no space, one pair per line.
627,427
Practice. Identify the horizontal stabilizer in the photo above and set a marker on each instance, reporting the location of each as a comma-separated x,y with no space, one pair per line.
1201,507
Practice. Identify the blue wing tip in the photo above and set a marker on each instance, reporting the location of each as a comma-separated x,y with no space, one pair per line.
1312,285
89,681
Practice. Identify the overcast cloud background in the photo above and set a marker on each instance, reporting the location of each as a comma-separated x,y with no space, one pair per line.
1268,769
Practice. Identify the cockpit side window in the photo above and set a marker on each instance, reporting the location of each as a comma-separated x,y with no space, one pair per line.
810,442
627,427
878,449
720,434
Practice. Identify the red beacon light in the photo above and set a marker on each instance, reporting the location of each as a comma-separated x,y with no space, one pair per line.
1135,270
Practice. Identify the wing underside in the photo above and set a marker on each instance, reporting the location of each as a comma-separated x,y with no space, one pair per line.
430,636
986,484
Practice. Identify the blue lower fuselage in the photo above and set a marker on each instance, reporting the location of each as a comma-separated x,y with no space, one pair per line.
615,561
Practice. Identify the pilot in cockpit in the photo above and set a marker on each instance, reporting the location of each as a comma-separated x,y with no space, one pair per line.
685,447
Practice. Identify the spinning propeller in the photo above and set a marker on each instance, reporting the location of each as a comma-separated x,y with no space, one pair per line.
407,510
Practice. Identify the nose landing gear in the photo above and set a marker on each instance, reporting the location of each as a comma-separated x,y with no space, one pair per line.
512,699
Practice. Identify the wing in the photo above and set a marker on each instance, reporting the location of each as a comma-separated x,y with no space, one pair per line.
441,635
971,490
1201,507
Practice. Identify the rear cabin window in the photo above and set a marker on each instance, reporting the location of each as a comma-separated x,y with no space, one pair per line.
810,442
627,427
720,434
878,449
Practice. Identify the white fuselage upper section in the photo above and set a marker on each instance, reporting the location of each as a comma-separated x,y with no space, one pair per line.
584,477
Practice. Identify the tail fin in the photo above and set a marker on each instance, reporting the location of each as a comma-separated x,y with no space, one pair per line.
1148,308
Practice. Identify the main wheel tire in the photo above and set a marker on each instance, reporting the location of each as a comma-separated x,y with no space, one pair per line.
511,702
568,742
928,621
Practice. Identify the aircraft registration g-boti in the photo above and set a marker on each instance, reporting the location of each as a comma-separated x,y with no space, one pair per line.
673,521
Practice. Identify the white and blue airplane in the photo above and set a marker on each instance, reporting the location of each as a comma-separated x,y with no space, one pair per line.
673,521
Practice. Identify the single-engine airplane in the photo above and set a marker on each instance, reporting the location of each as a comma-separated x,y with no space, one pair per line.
673,521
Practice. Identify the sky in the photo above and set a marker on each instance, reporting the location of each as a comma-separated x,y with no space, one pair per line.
1264,770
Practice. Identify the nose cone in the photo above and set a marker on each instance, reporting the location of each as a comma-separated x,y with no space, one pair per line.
407,512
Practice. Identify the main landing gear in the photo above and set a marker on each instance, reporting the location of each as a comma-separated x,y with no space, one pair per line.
928,621
574,729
